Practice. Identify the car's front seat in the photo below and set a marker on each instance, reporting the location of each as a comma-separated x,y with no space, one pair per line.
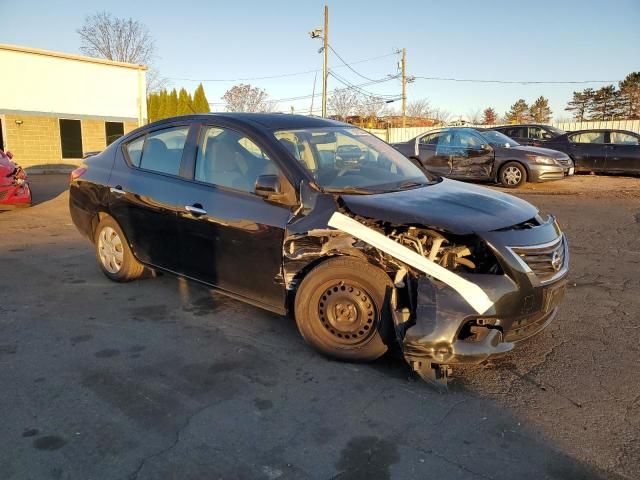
222,165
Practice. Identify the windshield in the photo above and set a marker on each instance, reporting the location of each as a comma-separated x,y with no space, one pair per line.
497,139
346,159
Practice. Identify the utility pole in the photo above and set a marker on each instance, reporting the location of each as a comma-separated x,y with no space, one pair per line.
325,65
404,87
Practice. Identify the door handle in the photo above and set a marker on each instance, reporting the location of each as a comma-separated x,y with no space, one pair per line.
196,210
117,189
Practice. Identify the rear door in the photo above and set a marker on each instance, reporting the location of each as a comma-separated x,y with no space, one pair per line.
623,152
435,150
471,156
588,150
228,236
144,187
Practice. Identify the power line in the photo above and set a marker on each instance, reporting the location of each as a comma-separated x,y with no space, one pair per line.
349,65
362,91
304,97
282,75
519,82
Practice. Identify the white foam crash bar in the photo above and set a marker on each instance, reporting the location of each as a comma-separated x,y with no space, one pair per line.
472,293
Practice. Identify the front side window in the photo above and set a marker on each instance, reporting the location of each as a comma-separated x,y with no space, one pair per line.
159,151
230,159
621,138
587,137
71,138
442,139
498,139
537,133
349,159
467,140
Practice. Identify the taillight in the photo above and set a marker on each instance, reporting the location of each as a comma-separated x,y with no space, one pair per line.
77,173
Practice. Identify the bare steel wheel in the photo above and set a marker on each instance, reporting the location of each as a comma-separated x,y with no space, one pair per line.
110,250
513,175
342,309
113,253
347,312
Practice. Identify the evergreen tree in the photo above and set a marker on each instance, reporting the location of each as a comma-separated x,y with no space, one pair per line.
200,102
153,105
630,96
518,113
184,103
580,104
172,104
162,105
489,116
605,104
540,111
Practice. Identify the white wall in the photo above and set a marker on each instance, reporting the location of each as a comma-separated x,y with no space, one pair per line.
38,83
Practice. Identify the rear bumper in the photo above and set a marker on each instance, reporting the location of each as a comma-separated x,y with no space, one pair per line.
544,173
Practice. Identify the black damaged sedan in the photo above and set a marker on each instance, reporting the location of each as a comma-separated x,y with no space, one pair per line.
321,219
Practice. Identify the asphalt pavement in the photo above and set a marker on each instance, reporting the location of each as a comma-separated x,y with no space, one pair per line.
163,379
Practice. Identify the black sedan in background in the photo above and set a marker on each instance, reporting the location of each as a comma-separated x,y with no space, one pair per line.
530,134
486,155
601,151
326,221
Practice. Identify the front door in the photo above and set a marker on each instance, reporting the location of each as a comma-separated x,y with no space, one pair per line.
228,236
143,196
471,157
623,153
588,150
434,150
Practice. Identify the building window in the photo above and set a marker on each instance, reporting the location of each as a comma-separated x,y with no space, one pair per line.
71,138
113,131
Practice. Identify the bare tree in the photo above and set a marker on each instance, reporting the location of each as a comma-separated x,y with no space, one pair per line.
474,116
121,40
245,98
343,102
419,108
441,116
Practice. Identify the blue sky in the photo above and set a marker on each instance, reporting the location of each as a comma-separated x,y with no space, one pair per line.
501,40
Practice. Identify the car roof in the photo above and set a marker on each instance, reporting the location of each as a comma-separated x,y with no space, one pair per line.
270,121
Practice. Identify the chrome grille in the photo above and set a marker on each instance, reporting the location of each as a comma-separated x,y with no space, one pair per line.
547,261
565,162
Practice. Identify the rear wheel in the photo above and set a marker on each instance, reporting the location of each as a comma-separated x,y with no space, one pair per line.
342,309
513,175
113,253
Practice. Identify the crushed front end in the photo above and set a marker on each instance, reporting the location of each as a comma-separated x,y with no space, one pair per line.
14,185
522,269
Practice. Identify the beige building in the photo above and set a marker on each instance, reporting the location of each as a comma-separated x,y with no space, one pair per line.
56,107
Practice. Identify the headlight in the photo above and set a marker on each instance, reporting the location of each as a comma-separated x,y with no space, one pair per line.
542,160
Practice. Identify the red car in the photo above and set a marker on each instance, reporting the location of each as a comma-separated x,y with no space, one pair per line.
14,187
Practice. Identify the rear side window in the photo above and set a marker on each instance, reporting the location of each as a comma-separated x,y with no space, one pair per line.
587,137
159,151
621,138
134,149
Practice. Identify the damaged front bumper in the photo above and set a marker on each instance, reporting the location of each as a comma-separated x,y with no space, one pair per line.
437,328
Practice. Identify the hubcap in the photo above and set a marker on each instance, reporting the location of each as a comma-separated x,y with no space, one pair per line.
347,313
110,250
512,175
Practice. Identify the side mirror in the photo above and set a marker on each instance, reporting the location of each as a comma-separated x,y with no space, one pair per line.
546,136
267,186
485,148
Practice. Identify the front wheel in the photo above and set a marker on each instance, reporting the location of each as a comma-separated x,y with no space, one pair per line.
113,253
342,309
512,175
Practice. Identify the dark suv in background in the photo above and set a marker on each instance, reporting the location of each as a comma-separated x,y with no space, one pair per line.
532,134
486,155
